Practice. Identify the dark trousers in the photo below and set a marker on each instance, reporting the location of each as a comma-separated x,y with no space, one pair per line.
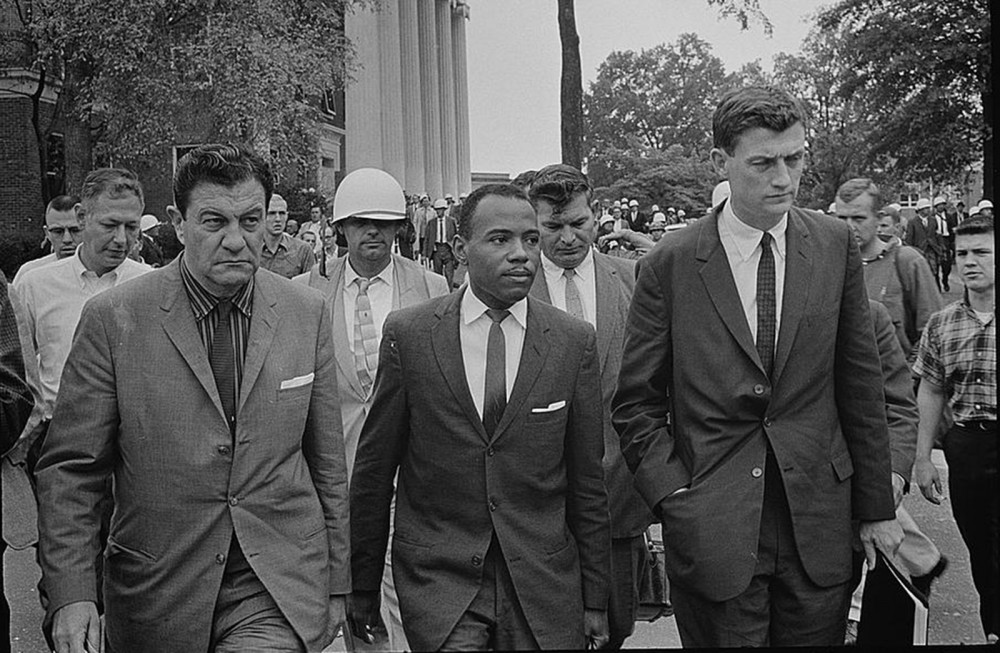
444,262
494,620
972,483
628,558
781,607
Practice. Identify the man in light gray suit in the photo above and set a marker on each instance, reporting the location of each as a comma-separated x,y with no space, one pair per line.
363,288
596,288
230,526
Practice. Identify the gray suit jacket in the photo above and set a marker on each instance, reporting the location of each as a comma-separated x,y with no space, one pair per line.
615,279
138,402
414,284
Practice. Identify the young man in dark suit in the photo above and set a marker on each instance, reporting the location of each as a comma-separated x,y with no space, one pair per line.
750,401
488,406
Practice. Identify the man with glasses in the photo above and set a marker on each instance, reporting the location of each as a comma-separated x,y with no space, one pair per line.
63,231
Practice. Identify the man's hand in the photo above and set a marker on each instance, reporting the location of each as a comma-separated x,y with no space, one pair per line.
928,480
76,628
887,535
363,614
337,613
595,628
898,485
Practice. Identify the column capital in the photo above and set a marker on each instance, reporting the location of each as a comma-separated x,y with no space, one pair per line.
460,8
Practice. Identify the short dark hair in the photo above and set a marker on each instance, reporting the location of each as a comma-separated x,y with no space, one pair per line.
524,179
558,183
851,189
749,107
974,225
62,203
468,208
225,164
113,182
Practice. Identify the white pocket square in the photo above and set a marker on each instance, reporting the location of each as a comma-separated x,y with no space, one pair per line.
554,406
305,379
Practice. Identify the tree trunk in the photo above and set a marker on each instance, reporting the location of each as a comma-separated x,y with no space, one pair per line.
987,100
79,139
40,137
571,87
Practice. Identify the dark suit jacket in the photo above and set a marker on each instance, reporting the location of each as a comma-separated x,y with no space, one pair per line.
925,239
430,234
615,278
537,484
695,408
900,404
139,402
15,397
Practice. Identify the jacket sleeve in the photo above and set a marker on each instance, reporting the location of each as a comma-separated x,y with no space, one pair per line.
900,403
323,448
15,397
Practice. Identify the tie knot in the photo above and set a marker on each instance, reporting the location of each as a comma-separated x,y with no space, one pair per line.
765,240
224,307
363,284
569,273
498,315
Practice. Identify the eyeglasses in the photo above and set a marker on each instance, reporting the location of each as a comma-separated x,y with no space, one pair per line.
59,232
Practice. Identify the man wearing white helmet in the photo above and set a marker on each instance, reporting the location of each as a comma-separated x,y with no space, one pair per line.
438,235
921,233
986,209
364,287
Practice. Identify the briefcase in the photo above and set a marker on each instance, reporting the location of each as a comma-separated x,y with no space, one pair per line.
893,612
654,595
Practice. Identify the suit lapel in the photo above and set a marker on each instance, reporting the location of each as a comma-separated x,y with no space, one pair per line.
608,314
446,342
263,324
540,288
179,324
408,286
341,338
533,354
718,279
798,272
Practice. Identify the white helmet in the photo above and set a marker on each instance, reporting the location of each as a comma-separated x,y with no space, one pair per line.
371,194
923,203
940,200
985,204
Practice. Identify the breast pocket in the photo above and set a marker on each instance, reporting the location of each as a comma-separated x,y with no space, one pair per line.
301,392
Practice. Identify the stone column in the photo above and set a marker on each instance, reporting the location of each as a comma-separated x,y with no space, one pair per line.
463,153
413,129
430,97
446,75
362,97
391,88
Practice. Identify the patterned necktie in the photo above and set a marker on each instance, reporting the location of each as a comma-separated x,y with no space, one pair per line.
440,225
766,304
574,305
495,393
223,361
365,338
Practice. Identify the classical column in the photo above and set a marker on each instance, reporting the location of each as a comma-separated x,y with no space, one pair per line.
413,129
463,153
446,76
362,97
430,97
392,92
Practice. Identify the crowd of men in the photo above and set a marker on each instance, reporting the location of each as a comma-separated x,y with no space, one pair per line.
451,424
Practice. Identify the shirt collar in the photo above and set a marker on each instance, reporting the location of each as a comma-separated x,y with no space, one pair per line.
747,238
79,269
282,243
473,309
585,265
386,275
204,302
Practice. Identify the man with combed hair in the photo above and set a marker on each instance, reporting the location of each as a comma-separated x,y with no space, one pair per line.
207,391
488,405
63,230
750,403
595,288
957,365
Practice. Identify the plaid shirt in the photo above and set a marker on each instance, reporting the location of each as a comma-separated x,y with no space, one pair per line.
959,354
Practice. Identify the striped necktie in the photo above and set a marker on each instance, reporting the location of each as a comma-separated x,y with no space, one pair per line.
365,337
574,305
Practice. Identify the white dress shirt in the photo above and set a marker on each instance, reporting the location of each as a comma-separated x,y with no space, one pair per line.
31,265
474,331
586,283
53,297
742,245
380,293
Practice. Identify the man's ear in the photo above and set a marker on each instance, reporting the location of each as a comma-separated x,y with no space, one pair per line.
458,249
719,159
177,220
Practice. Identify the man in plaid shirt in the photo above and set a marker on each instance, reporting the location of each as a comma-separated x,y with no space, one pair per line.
957,362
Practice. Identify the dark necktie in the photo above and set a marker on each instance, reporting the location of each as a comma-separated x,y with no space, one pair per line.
495,392
223,360
766,304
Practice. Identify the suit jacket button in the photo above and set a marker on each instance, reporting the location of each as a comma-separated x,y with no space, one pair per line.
476,561
758,389
756,472
220,558
767,421
490,451
233,501
224,450
493,505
